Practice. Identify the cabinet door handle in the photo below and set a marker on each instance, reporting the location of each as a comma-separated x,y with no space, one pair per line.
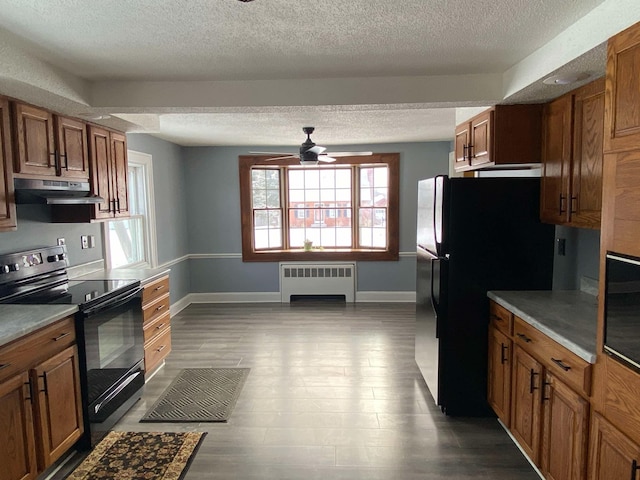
574,200
634,469
532,381
560,209
523,337
469,150
118,203
4,365
503,359
544,396
30,397
112,209
44,384
160,326
61,336
161,348
464,151
159,287
496,318
160,308
56,164
566,368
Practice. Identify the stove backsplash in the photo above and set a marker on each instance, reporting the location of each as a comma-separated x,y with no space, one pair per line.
34,230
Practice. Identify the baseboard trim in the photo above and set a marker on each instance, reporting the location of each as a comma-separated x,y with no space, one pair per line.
385,297
274,297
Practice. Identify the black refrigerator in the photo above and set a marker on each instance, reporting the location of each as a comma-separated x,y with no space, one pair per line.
473,235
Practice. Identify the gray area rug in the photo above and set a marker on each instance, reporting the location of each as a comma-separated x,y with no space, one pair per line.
199,395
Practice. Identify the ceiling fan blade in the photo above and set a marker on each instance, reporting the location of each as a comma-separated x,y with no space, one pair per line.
281,158
349,154
317,149
326,159
273,153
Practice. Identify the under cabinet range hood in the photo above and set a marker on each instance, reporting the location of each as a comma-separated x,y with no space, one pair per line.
54,192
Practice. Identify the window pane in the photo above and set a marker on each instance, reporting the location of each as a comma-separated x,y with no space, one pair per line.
267,229
272,179
126,242
343,178
311,179
273,198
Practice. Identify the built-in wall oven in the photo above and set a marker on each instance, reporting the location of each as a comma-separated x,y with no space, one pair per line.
622,309
108,329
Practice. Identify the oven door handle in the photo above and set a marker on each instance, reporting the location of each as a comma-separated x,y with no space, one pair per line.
114,302
121,387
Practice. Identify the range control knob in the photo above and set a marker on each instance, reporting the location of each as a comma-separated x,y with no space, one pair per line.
15,267
62,256
4,268
52,258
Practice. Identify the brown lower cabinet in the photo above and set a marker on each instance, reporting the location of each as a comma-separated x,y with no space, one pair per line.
499,387
565,430
526,403
540,392
40,406
612,455
156,323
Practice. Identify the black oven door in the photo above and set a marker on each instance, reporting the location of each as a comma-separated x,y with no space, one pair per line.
112,353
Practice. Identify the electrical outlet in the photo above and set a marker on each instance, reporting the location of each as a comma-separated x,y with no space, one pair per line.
84,241
92,241
61,241
562,245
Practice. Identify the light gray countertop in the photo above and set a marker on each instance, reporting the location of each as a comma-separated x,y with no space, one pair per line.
568,317
145,275
19,320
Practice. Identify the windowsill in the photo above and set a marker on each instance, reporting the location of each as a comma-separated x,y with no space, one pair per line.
317,254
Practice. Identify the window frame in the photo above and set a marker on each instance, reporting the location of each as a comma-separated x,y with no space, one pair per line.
391,253
143,161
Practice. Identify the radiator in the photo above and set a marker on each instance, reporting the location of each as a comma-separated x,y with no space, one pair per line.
317,279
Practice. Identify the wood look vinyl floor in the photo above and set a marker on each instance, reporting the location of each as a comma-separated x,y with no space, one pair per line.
333,393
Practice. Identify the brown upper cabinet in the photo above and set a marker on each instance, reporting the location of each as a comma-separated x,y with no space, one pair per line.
572,158
48,144
108,156
7,204
502,135
622,115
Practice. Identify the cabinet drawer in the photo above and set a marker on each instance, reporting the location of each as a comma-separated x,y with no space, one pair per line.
157,350
156,309
155,290
25,352
156,326
501,318
566,365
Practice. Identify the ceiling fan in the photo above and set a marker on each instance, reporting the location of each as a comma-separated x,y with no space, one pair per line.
310,153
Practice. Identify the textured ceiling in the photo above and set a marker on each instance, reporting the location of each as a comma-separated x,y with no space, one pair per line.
226,41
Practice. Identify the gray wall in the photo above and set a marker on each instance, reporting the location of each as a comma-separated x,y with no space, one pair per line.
171,204
35,230
582,258
213,209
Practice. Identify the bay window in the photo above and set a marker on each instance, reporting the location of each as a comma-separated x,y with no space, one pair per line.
338,211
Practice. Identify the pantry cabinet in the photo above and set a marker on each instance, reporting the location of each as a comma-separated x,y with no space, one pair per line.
108,159
501,135
7,204
40,405
49,145
572,159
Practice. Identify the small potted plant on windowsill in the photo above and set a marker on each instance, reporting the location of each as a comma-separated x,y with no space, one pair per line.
308,245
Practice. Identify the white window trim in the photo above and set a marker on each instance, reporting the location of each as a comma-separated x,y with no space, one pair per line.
151,239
